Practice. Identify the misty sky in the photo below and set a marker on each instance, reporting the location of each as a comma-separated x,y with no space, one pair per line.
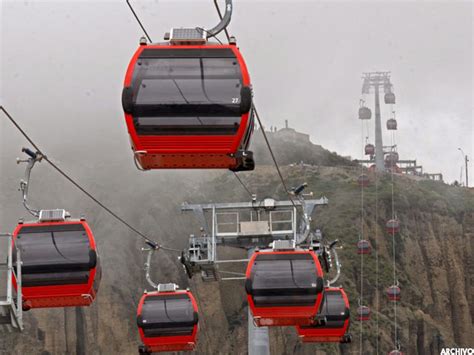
63,63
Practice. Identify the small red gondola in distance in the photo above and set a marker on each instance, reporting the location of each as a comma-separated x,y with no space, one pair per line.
60,264
364,247
334,319
392,124
363,180
365,113
167,321
394,293
369,149
188,105
363,313
393,226
284,287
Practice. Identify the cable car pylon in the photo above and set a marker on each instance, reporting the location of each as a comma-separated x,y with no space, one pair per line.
377,81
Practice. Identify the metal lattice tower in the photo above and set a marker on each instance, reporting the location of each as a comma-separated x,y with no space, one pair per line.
11,313
376,80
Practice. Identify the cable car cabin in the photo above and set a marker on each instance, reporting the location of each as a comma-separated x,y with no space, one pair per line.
365,113
393,293
189,106
363,313
391,160
60,264
284,287
369,149
363,180
332,320
364,247
392,124
167,321
389,98
392,226
395,352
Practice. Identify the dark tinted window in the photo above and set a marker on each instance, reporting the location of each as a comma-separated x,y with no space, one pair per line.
333,308
284,279
55,255
333,304
185,91
168,315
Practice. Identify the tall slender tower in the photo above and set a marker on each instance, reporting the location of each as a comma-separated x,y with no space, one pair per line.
376,80
379,164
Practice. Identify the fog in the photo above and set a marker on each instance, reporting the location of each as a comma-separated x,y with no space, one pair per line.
63,63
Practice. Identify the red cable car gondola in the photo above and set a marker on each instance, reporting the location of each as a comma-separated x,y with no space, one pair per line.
60,264
395,352
363,180
391,159
365,113
284,287
389,98
393,293
189,105
364,247
363,313
333,319
393,226
369,149
167,321
392,124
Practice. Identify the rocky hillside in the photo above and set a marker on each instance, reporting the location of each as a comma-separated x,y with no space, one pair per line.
435,253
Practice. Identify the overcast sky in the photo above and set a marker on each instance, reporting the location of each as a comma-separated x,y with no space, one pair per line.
63,63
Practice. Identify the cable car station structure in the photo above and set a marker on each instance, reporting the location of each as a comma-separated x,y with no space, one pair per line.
253,226
11,313
246,225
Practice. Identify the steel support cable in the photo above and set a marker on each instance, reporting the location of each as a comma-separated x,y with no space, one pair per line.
243,185
395,337
368,131
377,295
138,20
375,247
361,236
290,195
83,190
264,134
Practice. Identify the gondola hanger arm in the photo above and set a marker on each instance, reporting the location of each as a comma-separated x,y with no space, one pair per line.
24,183
213,32
224,22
